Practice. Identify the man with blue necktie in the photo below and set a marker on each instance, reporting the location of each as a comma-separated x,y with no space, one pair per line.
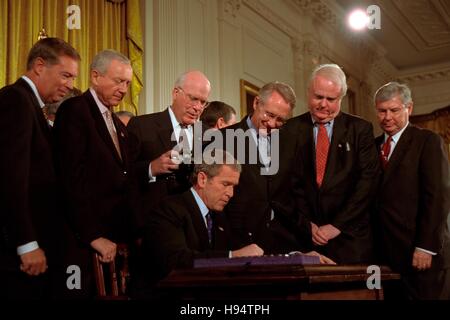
190,225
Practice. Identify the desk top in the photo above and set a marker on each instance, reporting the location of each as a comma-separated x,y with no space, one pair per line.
272,274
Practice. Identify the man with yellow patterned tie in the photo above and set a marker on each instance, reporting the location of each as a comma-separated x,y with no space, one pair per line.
29,217
339,169
94,167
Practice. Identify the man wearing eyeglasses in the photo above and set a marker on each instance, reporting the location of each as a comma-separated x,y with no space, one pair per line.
156,134
262,209
339,170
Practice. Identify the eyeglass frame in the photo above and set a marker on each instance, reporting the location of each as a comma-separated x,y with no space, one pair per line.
270,116
194,100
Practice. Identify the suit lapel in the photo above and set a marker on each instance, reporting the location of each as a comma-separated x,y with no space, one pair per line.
37,108
101,125
165,131
337,142
397,155
197,219
122,136
309,150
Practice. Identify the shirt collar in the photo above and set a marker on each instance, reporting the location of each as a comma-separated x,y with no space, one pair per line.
173,119
34,89
201,205
100,105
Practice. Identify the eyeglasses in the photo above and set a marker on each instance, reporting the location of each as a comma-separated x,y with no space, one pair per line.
267,116
194,100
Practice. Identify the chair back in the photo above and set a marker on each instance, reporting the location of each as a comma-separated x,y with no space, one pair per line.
117,275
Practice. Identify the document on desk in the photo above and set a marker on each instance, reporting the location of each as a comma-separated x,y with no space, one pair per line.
284,259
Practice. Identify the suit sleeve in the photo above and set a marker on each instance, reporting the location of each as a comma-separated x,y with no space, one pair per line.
140,166
71,141
366,173
16,129
165,241
434,203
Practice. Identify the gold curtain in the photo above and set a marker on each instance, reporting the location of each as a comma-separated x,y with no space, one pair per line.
437,121
104,25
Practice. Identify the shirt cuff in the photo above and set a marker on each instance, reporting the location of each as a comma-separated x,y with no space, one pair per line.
230,255
151,178
426,251
30,246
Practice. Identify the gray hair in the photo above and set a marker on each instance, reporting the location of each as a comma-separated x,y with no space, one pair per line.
281,88
103,59
180,80
333,73
391,90
211,164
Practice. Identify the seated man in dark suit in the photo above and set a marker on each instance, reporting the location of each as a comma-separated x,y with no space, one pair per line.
188,226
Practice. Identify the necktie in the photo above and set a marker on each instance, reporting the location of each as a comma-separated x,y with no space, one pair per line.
45,112
183,144
209,226
322,147
112,131
264,149
385,151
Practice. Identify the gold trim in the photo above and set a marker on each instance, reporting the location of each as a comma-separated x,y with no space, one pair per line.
248,92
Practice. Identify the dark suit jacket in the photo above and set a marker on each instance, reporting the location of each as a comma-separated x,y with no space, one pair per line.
96,185
348,187
413,200
27,183
96,182
151,137
249,211
176,234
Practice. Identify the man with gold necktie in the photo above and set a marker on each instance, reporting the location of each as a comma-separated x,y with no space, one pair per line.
413,201
94,167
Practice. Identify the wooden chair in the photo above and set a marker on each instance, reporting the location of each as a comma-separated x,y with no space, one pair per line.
117,273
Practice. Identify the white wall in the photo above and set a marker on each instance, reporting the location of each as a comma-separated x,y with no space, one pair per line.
266,40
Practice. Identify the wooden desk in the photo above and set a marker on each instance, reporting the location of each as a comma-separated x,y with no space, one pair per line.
287,282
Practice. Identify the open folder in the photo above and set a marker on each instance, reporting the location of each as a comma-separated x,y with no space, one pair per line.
282,259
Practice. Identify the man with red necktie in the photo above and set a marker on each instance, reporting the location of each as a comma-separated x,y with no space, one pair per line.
338,168
413,201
